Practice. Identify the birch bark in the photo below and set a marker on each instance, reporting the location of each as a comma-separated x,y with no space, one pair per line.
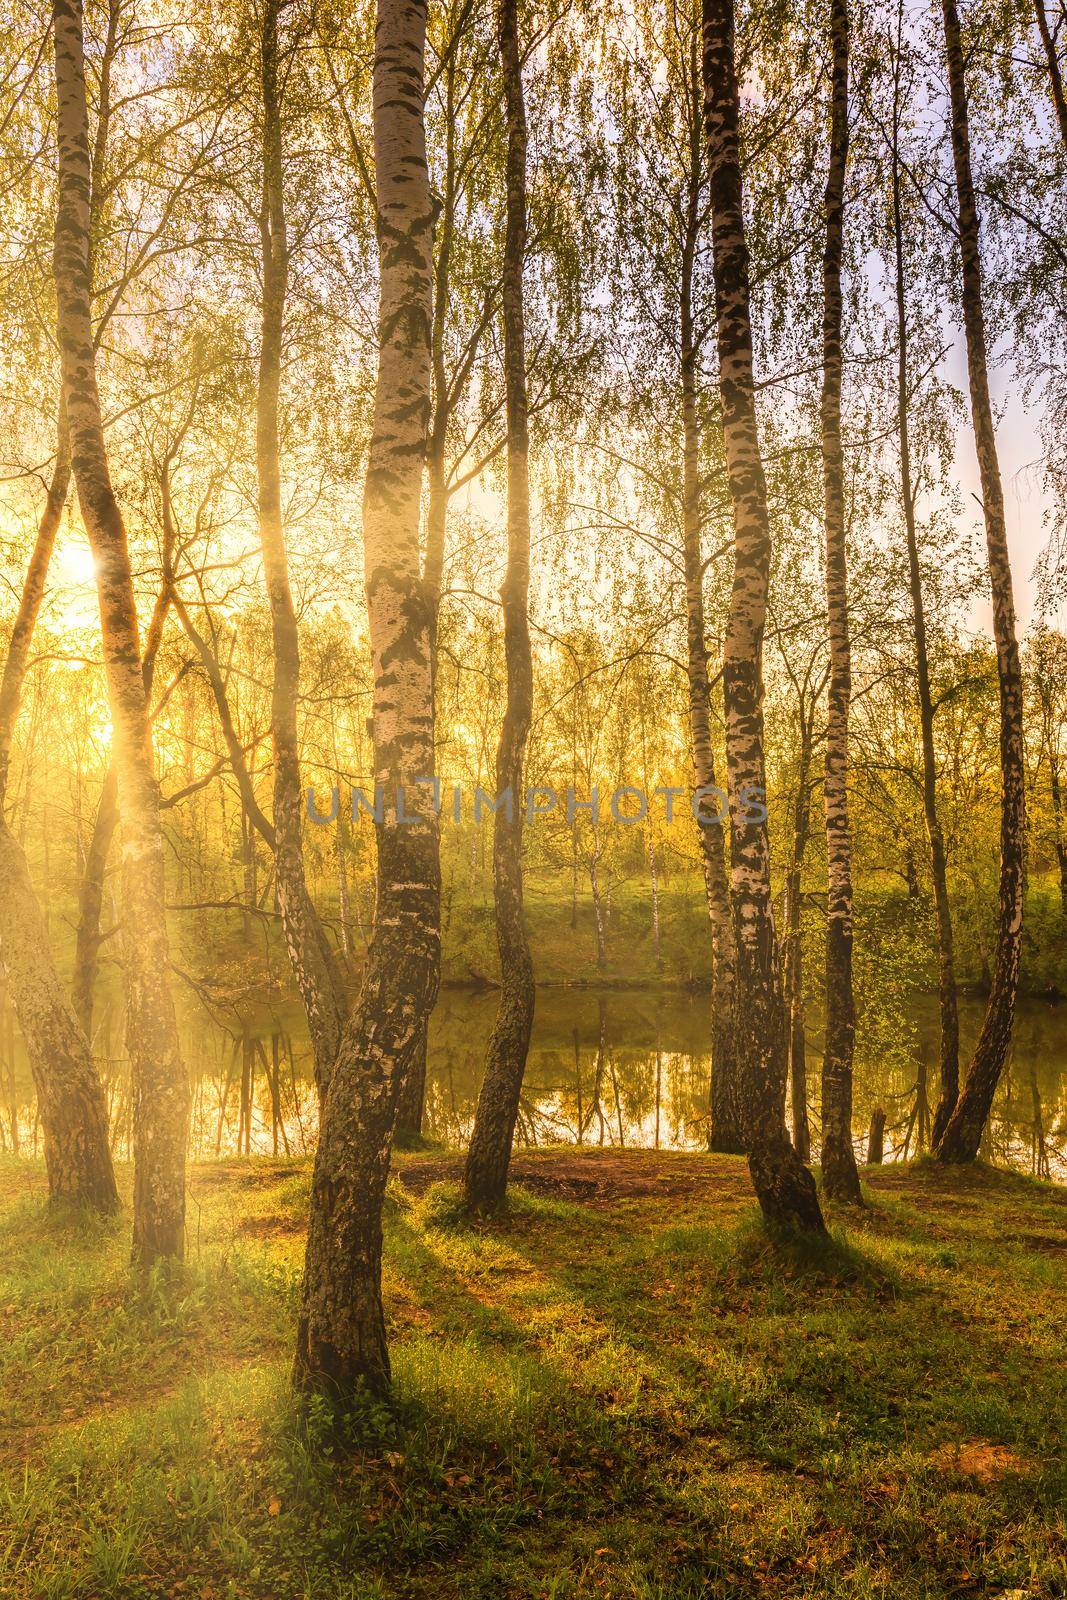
341,1341
726,1131
784,1186
160,1084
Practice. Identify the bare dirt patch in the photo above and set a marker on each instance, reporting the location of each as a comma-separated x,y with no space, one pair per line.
601,1176
977,1459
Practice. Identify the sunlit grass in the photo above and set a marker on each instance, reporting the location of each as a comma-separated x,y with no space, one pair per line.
642,1399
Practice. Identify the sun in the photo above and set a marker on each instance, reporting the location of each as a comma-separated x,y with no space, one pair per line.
74,576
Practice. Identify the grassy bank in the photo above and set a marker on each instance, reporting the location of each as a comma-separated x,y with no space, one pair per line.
617,1391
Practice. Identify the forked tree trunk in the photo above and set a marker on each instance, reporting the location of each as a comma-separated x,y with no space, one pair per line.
726,1131
160,1083
784,1186
947,995
489,1153
341,1335
963,1132
310,953
840,1177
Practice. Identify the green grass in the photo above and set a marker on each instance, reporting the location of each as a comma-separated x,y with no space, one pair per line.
642,1399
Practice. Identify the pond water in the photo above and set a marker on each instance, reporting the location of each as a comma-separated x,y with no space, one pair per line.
611,1068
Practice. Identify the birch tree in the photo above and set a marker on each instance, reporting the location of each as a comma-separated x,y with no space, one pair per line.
161,1091
784,1186
341,1341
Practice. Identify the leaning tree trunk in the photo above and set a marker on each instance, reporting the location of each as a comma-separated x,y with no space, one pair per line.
312,958
341,1334
947,996
784,1186
1055,75
70,1098
726,1132
18,649
160,1084
963,1132
489,1153
840,1177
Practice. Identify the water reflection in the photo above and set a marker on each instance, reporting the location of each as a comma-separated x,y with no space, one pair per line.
612,1069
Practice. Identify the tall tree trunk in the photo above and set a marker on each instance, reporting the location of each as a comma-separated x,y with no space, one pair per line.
412,1095
489,1153
411,1102
88,937
341,1335
840,1177
963,1132
313,961
160,1083
784,1186
726,1132
794,949
1057,823
1055,76
949,1007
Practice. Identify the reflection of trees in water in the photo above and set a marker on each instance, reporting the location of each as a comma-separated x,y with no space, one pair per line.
903,1118
622,1069
1039,1160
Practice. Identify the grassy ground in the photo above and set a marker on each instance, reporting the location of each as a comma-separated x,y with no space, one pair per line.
626,1394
